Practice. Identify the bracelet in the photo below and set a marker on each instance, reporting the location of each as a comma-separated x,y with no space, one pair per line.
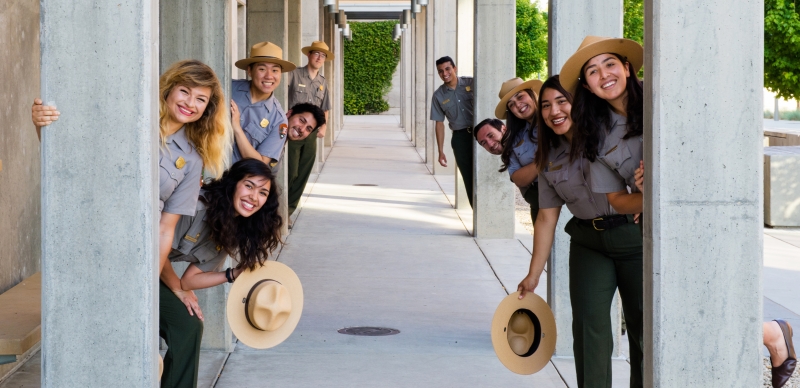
229,275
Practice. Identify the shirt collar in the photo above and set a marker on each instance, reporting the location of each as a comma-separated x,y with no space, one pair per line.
179,138
268,103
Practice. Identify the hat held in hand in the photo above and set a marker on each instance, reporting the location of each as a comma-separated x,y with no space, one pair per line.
264,305
524,333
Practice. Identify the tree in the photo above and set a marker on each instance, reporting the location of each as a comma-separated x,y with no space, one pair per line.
782,48
633,20
531,39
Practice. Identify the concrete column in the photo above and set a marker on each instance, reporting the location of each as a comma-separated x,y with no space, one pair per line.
406,57
295,34
328,34
465,22
310,28
495,31
99,207
703,232
268,20
412,79
465,56
569,23
239,39
189,29
420,77
430,85
444,44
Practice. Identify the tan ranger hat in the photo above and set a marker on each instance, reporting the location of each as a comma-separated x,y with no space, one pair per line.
512,87
593,46
266,52
319,46
524,333
264,305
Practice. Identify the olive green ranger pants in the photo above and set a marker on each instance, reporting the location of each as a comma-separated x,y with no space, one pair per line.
463,149
302,154
600,262
182,333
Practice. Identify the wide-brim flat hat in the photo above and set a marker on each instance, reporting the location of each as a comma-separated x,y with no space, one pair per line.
524,333
512,87
264,305
319,46
593,46
266,52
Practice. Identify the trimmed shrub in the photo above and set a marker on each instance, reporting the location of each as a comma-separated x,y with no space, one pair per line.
370,59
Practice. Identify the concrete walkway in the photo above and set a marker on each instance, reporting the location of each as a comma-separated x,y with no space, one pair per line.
377,242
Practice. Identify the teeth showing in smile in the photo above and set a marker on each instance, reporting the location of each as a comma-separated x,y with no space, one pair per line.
523,109
247,205
559,121
295,132
184,111
609,84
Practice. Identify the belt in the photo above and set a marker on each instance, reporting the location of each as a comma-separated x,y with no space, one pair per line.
468,129
605,222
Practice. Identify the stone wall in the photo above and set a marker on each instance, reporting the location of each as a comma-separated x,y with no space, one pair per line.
20,232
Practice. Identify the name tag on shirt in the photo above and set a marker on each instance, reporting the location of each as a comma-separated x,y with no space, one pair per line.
301,85
445,101
556,168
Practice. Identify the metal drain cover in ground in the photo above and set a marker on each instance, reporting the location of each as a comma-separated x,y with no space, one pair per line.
364,184
369,331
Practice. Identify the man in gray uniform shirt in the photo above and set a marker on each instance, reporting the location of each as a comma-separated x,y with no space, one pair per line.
306,85
455,100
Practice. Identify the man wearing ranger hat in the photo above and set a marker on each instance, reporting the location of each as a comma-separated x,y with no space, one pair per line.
306,85
262,128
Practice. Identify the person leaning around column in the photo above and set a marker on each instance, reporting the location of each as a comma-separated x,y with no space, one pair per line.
194,137
306,85
455,100
520,140
605,247
260,132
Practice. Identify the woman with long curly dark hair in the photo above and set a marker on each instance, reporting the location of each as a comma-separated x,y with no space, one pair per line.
518,105
236,216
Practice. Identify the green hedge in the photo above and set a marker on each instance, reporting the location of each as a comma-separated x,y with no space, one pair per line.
369,62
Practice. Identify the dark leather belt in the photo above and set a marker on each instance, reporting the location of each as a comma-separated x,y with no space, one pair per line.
605,222
468,129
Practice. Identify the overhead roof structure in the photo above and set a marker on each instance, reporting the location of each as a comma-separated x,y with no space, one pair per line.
374,9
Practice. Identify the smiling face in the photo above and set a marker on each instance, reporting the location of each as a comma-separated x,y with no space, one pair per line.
522,105
555,111
265,79
301,125
250,195
185,104
607,77
316,59
489,138
447,72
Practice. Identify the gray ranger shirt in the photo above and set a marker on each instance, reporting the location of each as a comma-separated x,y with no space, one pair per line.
261,122
567,183
179,170
617,159
192,241
458,104
303,89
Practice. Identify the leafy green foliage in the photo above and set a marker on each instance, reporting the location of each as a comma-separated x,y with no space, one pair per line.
633,20
369,62
782,48
531,39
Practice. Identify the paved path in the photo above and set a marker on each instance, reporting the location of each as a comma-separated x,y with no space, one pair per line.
398,255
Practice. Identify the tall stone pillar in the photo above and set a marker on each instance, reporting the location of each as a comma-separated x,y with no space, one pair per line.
444,44
703,228
420,77
493,193
338,108
430,86
189,29
329,36
268,20
295,34
412,78
569,23
465,56
406,57
99,206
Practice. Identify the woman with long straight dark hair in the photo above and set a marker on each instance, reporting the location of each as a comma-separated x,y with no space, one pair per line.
606,251
518,106
564,179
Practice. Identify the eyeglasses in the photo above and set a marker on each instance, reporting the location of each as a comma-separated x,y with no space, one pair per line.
319,54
